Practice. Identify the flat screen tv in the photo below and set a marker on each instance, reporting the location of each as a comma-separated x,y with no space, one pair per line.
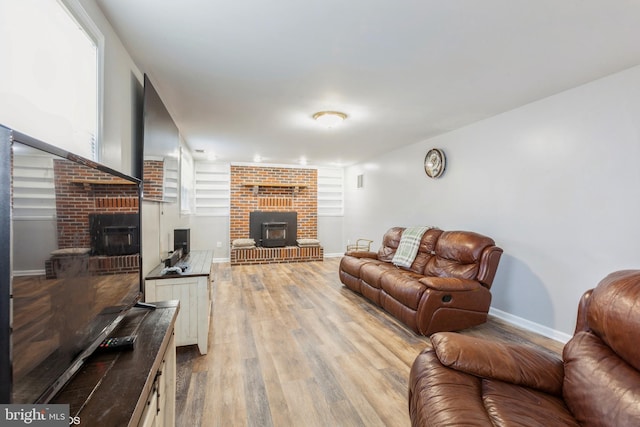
70,233
161,144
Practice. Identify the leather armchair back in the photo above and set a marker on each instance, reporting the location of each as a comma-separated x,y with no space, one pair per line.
602,360
460,254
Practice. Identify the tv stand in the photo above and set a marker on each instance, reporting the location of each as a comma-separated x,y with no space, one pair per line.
193,287
131,388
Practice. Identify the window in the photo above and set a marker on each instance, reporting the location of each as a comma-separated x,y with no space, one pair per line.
330,192
49,81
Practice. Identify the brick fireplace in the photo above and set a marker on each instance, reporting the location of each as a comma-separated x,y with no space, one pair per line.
81,192
273,189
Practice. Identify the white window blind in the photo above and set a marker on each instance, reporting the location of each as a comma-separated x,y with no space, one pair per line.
34,194
49,83
213,188
330,192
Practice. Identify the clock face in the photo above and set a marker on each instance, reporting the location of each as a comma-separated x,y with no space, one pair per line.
434,163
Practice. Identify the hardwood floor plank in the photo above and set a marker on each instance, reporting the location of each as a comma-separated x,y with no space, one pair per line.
302,404
225,404
280,413
388,401
289,345
195,399
258,409
287,357
321,370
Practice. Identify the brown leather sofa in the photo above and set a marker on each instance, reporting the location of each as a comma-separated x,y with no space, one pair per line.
445,289
467,381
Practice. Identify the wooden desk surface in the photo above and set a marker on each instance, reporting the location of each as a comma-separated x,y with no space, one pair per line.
198,264
111,388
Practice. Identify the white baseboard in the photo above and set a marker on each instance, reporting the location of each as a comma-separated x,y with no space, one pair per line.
530,326
219,260
28,272
334,255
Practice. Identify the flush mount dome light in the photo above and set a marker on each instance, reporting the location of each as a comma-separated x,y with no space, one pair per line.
329,118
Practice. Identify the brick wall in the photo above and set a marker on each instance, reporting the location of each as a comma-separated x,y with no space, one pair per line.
304,201
153,171
81,191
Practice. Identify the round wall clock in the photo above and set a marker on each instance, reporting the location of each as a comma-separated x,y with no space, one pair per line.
434,163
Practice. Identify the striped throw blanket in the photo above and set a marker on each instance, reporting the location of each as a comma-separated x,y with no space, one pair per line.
408,247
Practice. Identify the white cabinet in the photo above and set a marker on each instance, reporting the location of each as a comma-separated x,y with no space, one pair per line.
193,289
159,410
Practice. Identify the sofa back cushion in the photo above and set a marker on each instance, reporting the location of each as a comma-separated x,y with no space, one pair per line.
425,250
390,242
458,254
602,363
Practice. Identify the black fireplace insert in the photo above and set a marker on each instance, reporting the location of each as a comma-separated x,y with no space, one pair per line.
274,234
114,234
273,229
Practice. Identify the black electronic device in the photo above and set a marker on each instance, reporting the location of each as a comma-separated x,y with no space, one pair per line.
181,240
58,300
117,343
173,258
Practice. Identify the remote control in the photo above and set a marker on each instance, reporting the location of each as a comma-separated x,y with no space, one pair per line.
117,343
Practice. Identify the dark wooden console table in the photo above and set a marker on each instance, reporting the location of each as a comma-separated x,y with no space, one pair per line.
132,387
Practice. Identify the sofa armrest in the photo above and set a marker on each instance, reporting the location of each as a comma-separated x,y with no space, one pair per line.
513,363
362,254
449,284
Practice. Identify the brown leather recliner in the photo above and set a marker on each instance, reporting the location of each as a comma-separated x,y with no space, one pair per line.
468,381
445,289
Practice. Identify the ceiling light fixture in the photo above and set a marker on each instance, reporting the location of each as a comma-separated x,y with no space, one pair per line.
329,119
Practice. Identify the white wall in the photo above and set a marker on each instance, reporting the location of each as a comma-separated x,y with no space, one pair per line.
330,232
120,76
555,183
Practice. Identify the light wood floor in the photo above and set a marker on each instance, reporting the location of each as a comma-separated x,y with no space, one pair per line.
289,345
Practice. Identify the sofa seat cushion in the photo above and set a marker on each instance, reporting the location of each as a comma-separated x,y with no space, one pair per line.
512,405
352,265
372,272
404,287
439,395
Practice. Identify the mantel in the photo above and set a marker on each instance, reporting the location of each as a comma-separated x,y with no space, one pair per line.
102,182
89,182
256,185
273,184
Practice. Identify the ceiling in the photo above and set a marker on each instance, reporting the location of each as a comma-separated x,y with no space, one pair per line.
243,78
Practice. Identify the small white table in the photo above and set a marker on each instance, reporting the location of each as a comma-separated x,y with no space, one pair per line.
193,288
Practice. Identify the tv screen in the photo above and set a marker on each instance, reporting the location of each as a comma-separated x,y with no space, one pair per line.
161,147
75,265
